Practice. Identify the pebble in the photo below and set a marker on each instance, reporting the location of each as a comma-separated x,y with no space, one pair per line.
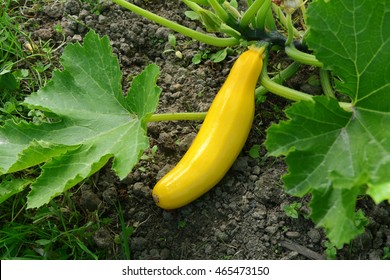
140,189
314,235
102,19
271,229
256,170
44,34
167,215
162,33
221,235
54,11
138,243
241,164
186,142
260,212
293,234
103,238
90,200
72,7
110,195
165,254
164,171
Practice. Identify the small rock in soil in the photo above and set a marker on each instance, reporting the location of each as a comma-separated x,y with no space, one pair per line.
165,254
72,7
260,212
90,200
68,27
375,254
103,238
221,235
44,34
102,19
165,141
140,189
167,215
363,241
138,243
314,235
241,164
186,142
162,33
271,229
76,38
54,11
164,171
293,234
110,195
154,254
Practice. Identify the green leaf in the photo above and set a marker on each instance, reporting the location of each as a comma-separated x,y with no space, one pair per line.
142,94
197,58
352,39
219,56
172,40
10,186
192,15
254,151
210,20
91,122
313,136
333,154
333,207
8,81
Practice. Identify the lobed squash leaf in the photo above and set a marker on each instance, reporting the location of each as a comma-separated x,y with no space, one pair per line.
90,121
332,154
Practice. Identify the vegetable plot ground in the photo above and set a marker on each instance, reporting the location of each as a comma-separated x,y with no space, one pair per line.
247,215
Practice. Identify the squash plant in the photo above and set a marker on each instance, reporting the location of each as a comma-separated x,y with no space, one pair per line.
336,145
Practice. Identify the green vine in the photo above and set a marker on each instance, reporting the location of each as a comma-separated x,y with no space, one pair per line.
193,116
201,37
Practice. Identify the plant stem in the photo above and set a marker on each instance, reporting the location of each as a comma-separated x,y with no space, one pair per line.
325,83
303,9
262,13
233,12
279,78
270,20
201,37
230,31
290,93
290,30
250,13
280,90
219,10
196,116
253,20
282,19
192,5
302,57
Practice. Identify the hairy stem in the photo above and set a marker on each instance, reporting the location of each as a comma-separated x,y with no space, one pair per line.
201,37
196,116
325,83
290,30
290,93
262,13
302,57
250,13
282,19
192,5
280,90
279,78
219,10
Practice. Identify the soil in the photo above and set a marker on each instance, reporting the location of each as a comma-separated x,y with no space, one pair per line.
243,216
